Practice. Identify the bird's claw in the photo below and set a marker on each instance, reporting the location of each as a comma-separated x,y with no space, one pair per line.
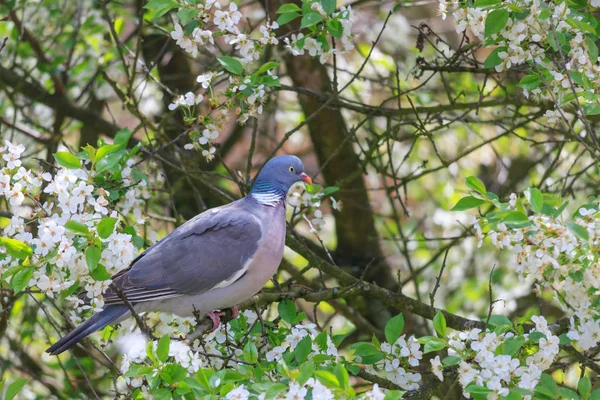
215,316
235,312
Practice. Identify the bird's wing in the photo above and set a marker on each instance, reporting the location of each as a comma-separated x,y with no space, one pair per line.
209,251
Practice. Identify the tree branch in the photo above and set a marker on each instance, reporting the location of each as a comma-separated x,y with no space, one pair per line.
33,91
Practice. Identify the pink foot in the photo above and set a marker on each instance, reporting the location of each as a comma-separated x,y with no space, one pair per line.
235,311
215,317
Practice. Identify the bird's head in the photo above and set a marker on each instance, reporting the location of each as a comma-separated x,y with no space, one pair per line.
283,171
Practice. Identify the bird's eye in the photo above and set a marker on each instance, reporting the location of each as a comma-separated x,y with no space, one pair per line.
291,169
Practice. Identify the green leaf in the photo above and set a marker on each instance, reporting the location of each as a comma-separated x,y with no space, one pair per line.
160,7
287,311
16,248
560,209
106,227
15,387
109,160
577,276
77,227
547,386
451,360
203,377
327,379
593,49
250,352
100,273
173,373
582,26
536,336
530,82
584,387
329,190
342,376
522,392
328,6
578,231
568,393
21,279
310,19
515,219
487,3
162,394
267,66
306,371
493,59
138,370
595,395
591,109
434,344
475,184
367,352
162,349
439,323
393,328
303,349
273,390
321,340
495,21
67,160
564,339
70,290
231,64
186,15
394,394
91,152
467,203
106,150
287,17
474,389
288,8
122,137
512,345
335,28
92,257
497,321
535,198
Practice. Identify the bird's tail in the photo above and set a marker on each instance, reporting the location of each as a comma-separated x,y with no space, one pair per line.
94,323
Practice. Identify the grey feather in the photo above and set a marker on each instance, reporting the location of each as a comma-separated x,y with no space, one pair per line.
204,252
94,323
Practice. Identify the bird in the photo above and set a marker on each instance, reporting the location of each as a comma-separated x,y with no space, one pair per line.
214,261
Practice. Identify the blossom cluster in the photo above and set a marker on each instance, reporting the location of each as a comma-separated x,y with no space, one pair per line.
309,201
201,24
550,252
494,361
555,40
558,255
314,45
399,359
230,348
56,233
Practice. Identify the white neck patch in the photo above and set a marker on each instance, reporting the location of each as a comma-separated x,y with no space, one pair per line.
270,199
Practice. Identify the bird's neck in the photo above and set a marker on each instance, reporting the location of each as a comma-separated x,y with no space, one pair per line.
267,193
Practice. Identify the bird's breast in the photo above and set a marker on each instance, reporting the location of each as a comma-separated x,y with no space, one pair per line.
269,253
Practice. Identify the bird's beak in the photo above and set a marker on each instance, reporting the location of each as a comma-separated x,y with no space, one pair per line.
306,178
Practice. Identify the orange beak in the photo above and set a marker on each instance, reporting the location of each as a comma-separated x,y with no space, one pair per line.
306,178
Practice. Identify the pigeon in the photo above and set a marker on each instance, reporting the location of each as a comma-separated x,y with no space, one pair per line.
214,261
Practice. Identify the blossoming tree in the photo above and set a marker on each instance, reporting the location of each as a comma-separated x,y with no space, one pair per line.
448,250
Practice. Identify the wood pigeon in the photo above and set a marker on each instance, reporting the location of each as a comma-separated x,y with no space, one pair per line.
217,259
